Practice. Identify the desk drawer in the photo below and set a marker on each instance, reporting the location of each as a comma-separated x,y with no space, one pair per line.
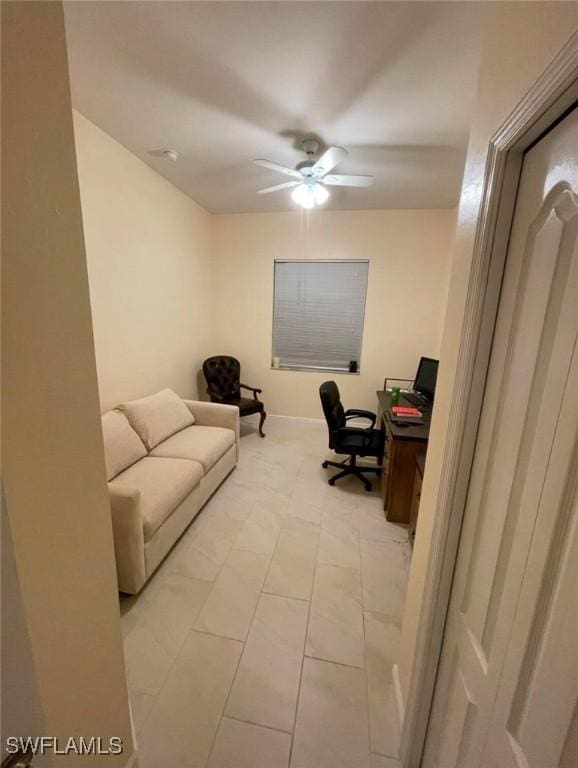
401,472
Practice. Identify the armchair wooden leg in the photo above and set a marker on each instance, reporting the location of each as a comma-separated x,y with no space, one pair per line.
261,422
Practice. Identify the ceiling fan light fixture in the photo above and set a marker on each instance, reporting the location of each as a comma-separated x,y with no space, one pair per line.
310,195
303,196
310,189
321,194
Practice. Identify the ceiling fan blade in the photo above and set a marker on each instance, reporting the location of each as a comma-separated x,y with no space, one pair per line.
329,160
342,180
280,168
286,185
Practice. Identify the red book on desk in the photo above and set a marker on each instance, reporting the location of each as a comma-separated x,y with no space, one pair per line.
403,410
406,413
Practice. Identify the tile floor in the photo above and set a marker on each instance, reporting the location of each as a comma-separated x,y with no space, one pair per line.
266,638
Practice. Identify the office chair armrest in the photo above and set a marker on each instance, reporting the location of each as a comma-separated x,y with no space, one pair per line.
344,432
254,390
356,413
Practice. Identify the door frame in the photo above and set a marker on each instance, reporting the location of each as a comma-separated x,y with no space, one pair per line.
545,103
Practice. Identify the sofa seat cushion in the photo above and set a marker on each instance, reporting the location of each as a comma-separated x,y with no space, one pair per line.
158,416
163,483
203,444
122,445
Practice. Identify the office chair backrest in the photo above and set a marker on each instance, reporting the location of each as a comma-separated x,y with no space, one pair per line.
223,375
332,408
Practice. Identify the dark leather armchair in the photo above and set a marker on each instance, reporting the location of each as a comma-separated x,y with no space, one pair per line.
223,376
353,441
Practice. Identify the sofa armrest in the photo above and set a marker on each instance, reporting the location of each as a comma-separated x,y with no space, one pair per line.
128,533
216,415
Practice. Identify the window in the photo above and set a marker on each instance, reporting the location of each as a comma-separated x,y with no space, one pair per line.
318,313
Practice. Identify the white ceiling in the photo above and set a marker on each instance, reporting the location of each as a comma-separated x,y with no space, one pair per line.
226,82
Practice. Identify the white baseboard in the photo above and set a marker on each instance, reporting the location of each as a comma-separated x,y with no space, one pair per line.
352,423
399,705
296,418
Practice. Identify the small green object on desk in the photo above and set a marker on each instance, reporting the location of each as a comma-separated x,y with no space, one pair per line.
395,395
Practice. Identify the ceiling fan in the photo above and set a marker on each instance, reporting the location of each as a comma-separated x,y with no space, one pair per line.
313,177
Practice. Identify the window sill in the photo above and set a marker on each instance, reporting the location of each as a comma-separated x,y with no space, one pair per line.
315,369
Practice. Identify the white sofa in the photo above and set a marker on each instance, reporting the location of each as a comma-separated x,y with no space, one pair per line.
164,458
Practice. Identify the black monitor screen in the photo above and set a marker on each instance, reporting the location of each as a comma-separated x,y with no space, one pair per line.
426,376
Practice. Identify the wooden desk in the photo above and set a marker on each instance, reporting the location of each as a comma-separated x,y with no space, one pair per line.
416,494
401,446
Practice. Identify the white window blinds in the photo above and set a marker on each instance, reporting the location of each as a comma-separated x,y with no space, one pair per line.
319,308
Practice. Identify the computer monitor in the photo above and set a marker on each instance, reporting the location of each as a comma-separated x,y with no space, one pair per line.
426,377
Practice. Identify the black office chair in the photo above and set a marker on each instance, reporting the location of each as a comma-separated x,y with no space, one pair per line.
353,441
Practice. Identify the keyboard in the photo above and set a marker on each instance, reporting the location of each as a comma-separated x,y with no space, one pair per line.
414,398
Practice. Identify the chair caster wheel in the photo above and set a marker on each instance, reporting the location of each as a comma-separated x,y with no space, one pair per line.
331,481
325,465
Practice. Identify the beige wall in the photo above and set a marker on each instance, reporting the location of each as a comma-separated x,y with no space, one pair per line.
408,253
148,252
53,465
519,40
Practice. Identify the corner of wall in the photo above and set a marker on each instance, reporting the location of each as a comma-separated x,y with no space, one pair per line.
152,319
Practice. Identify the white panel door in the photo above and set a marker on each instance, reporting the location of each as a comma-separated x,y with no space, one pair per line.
508,679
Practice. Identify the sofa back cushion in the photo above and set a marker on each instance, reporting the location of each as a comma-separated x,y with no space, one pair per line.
122,446
157,417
